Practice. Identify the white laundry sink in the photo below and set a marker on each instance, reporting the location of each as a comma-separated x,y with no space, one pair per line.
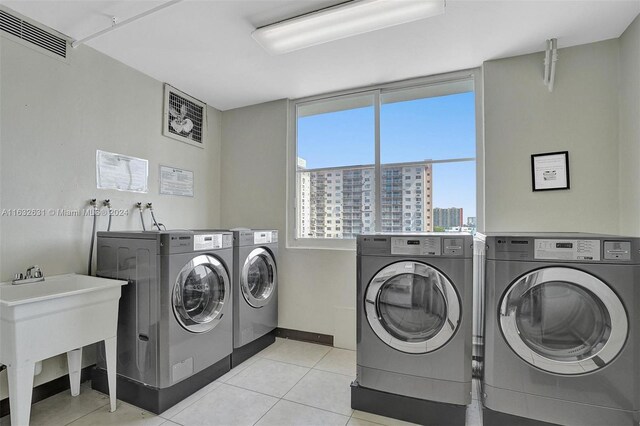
53,287
61,314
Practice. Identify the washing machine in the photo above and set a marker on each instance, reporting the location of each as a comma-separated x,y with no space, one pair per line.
255,295
414,323
562,330
175,326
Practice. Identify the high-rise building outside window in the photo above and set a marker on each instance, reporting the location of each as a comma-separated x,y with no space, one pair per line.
386,160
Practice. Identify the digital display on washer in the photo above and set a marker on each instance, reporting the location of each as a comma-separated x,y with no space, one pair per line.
564,245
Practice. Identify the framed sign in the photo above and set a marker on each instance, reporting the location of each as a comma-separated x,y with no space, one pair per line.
184,117
174,181
550,171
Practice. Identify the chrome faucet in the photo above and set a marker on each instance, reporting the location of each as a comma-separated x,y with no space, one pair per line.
33,275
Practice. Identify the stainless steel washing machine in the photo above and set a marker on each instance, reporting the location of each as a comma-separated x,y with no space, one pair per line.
562,330
175,328
414,323
255,296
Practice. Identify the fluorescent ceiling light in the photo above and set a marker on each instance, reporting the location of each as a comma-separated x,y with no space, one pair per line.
341,21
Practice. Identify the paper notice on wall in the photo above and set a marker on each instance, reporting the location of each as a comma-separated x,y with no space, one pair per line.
176,181
121,172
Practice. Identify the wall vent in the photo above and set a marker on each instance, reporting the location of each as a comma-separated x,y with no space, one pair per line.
32,34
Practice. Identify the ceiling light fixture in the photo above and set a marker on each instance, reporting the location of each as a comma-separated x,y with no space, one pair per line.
344,20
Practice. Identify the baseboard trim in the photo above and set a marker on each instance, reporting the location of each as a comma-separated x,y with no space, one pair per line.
305,336
48,389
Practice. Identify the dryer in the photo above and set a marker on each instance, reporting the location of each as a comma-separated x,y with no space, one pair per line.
255,295
562,336
414,322
175,328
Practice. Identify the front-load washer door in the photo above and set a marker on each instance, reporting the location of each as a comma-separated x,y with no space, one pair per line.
200,294
259,277
563,320
412,307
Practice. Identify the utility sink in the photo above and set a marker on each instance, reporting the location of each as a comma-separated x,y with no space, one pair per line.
61,314
58,286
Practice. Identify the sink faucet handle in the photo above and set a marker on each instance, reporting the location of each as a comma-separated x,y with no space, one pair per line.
34,272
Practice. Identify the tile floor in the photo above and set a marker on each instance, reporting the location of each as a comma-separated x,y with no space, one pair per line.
289,383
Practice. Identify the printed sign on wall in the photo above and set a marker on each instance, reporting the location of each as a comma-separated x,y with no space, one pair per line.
174,181
121,172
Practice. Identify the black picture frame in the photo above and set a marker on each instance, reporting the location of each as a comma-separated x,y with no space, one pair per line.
550,171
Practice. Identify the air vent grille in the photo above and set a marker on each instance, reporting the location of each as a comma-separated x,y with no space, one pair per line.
32,34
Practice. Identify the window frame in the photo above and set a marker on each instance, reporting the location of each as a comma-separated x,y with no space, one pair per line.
472,75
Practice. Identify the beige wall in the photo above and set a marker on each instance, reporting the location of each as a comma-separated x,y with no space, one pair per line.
579,116
316,287
55,115
630,130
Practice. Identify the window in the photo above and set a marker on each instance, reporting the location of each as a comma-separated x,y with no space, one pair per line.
426,132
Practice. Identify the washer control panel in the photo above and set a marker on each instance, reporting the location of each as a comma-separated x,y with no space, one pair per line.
420,246
427,246
265,237
207,242
551,249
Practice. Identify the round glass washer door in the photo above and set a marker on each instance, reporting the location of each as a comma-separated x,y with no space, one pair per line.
259,277
412,307
563,320
200,293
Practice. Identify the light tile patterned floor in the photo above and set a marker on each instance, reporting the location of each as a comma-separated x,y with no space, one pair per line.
289,383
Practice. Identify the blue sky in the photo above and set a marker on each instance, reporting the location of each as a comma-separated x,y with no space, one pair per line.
432,128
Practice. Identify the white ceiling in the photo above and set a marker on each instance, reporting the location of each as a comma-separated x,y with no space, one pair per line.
205,49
